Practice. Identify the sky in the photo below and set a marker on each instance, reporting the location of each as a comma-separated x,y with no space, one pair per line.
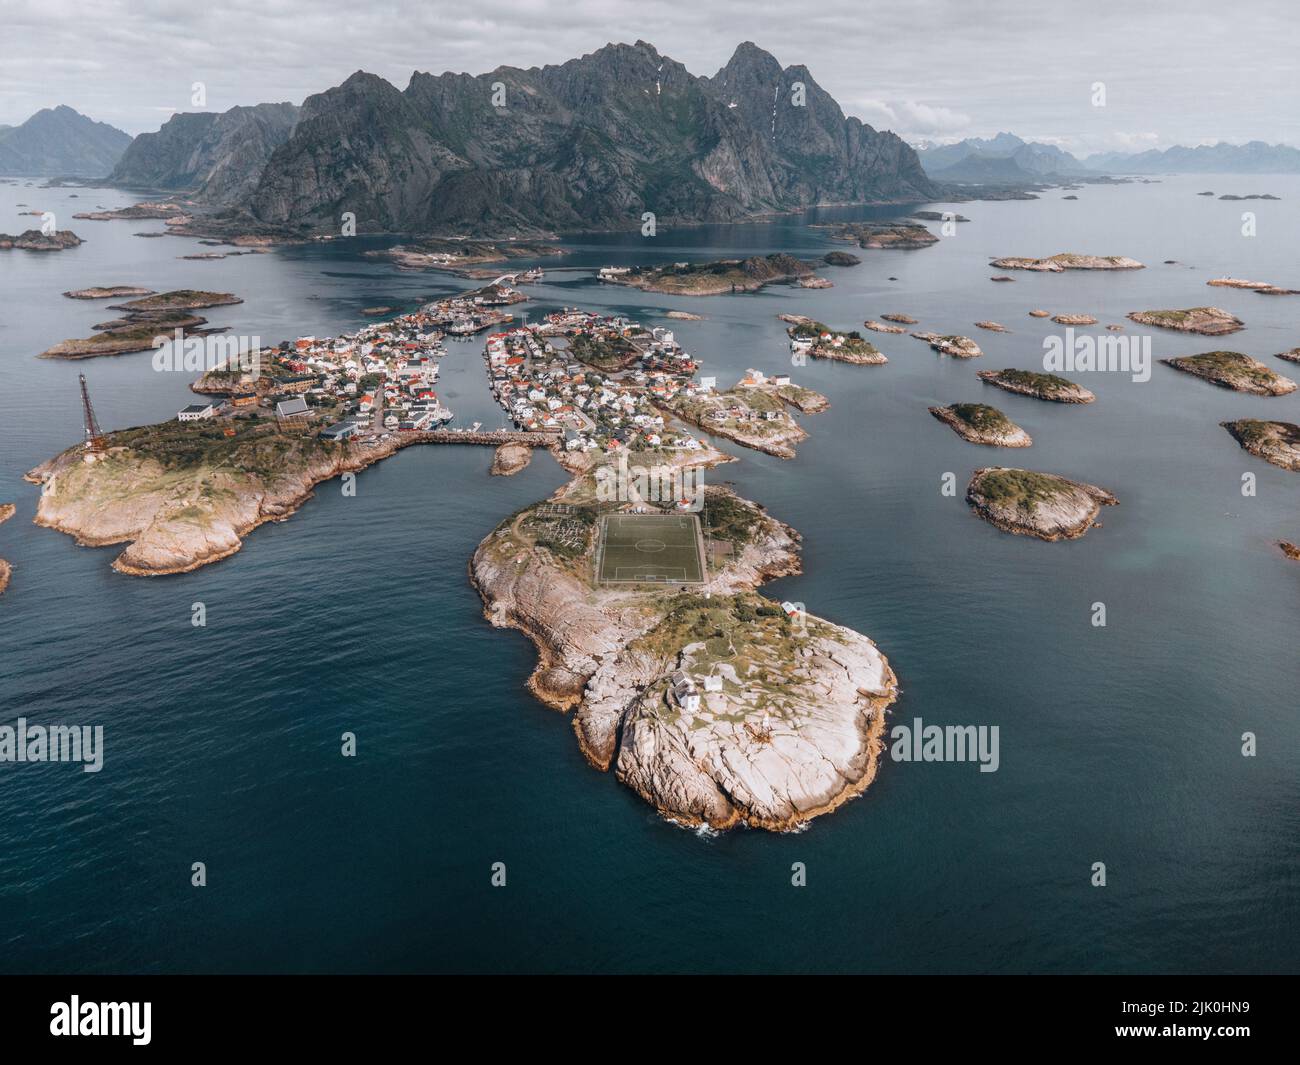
1173,71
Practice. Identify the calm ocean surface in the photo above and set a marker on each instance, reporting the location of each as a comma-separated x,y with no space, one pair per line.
1118,744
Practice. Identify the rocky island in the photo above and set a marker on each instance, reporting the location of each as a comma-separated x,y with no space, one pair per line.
956,346
1207,321
1232,369
877,235
456,256
820,341
35,240
509,459
1038,385
981,424
1029,503
713,703
883,327
106,292
143,321
1055,264
1275,442
751,414
712,278
135,212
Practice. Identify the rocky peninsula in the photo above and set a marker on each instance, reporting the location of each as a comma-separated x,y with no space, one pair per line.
1275,442
1055,264
1207,321
184,495
1232,369
1038,385
1029,503
981,424
790,722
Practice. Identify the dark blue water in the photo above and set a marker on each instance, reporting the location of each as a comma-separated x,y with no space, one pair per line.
1119,744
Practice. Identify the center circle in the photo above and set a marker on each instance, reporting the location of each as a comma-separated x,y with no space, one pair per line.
650,546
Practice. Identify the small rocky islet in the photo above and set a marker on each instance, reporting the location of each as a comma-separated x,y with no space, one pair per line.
107,292
1046,386
958,347
1055,264
1205,321
1234,370
979,423
819,341
142,321
876,236
1275,442
1043,505
36,240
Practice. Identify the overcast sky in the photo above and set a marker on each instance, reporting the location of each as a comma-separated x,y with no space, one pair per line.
1175,72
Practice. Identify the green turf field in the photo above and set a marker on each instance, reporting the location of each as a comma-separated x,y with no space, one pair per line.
662,548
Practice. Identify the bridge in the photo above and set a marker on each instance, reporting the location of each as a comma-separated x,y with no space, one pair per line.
492,438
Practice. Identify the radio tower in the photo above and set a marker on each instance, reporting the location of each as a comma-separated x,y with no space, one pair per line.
95,442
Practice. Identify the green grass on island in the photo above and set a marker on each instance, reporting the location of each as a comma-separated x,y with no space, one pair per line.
1042,382
983,417
256,448
1227,365
1025,489
609,354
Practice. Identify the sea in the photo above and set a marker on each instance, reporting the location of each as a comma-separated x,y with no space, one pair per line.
1145,811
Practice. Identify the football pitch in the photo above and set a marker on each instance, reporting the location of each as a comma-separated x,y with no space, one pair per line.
663,548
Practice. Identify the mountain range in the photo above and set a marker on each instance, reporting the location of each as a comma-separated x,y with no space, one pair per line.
1255,157
60,142
1004,159
217,157
592,143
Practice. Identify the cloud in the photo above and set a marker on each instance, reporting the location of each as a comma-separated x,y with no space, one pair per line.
910,118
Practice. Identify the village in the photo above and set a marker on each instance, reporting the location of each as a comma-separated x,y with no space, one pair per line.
596,379
368,384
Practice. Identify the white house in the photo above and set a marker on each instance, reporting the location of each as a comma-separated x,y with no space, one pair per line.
196,412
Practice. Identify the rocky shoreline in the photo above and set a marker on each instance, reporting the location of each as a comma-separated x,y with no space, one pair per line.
6,570
509,459
1029,503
